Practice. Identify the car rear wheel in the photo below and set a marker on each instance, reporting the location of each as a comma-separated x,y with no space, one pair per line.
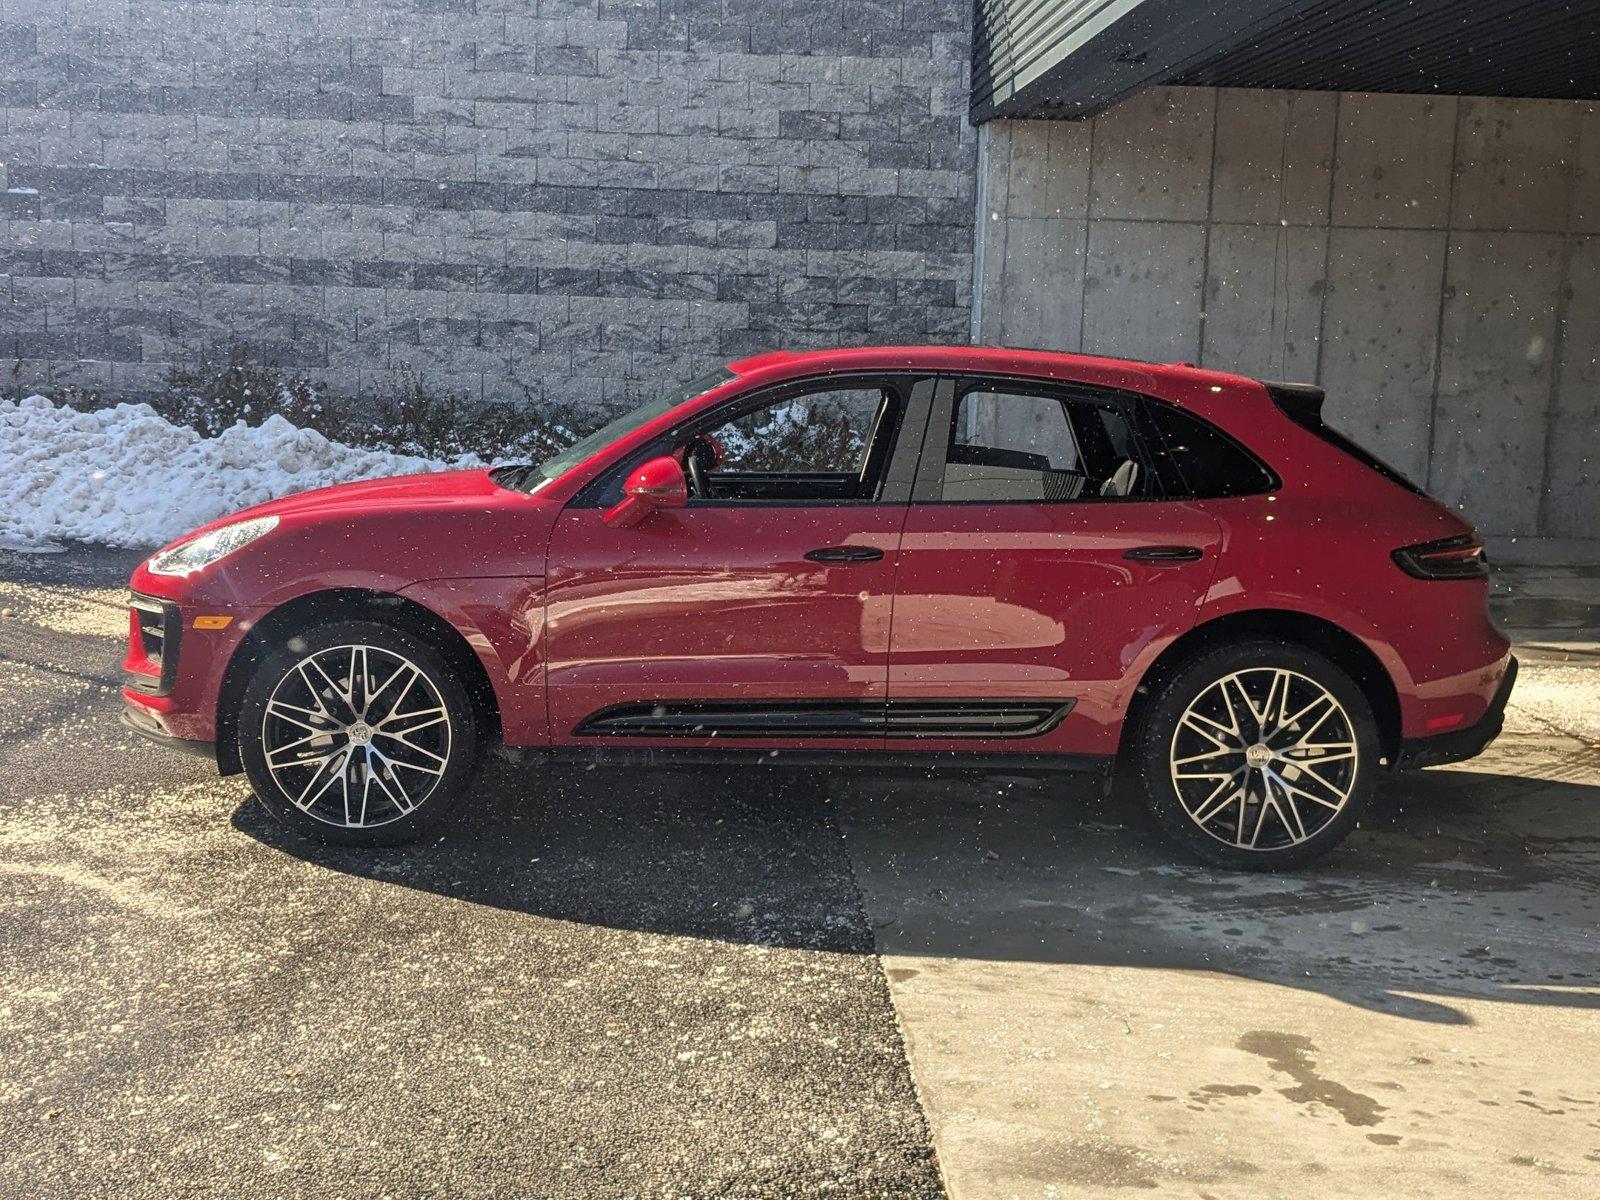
1259,756
358,733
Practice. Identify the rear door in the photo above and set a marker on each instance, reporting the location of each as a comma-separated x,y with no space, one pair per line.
1042,561
759,612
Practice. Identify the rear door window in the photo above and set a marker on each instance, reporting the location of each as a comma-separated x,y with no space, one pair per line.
1014,445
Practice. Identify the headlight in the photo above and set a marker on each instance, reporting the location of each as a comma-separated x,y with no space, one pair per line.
201,552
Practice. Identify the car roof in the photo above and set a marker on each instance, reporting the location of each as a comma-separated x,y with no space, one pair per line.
1003,360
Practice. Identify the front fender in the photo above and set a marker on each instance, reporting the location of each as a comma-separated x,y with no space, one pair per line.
502,620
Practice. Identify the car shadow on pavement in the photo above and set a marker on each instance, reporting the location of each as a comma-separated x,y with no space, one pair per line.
685,852
1468,884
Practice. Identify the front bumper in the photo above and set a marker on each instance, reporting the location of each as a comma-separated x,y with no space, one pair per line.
1460,744
155,630
174,668
147,726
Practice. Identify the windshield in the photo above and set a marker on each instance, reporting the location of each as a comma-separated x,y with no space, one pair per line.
558,465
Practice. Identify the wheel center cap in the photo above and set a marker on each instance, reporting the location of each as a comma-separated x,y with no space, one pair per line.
1258,755
360,734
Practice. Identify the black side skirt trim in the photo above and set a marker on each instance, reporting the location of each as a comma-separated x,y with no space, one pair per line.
827,719
919,762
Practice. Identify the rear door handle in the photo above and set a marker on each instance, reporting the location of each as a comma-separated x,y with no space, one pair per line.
1165,554
845,554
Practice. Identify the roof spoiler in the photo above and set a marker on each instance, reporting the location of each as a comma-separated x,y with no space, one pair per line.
1301,401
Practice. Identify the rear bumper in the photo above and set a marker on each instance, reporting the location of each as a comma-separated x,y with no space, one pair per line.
1460,744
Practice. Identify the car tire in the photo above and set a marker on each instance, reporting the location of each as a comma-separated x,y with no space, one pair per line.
357,733
1303,742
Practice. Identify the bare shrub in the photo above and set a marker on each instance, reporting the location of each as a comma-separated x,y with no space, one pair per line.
212,397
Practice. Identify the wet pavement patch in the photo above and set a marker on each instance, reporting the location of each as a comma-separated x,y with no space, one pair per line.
1293,1055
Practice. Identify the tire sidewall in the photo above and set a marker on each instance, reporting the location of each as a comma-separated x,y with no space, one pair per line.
1153,740
282,658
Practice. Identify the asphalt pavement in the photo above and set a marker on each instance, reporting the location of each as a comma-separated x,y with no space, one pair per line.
599,984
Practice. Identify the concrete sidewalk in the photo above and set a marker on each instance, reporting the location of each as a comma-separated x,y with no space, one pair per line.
1415,1016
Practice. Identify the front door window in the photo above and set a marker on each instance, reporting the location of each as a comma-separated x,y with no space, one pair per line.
826,445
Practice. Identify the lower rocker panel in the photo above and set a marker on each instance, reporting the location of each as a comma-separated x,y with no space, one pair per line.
864,759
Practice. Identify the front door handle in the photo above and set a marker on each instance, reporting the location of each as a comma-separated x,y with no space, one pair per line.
1165,554
845,554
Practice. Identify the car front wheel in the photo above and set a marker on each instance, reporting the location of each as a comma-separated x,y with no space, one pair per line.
1258,756
358,733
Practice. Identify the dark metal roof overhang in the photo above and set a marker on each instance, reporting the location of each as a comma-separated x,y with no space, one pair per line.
1073,58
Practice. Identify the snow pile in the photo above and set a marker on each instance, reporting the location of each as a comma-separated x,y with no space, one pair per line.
126,477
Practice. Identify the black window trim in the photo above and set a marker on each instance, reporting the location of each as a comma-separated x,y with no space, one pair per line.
929,487
914,388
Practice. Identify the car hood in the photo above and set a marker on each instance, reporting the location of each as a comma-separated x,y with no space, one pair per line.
399,491
379,534
442,493
390,495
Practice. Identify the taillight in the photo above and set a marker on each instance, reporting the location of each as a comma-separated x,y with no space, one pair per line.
1459,557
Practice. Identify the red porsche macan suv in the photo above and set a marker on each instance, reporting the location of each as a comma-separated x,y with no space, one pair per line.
905,556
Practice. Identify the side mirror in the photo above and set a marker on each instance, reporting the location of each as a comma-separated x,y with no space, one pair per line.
659,483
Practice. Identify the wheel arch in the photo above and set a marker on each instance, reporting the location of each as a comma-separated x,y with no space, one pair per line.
1318,634
349,603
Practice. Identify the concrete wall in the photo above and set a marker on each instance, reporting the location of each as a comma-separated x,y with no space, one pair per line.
588,196
1433,262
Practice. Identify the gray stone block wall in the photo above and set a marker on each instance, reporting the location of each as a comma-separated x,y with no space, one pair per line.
1433,261
592,198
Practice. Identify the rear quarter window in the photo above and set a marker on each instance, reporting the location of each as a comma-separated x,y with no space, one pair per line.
1198,460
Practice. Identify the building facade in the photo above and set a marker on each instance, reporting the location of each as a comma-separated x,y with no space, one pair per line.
585,198
588,200
1433,262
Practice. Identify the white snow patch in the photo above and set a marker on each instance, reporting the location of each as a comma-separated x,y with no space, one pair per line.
126,477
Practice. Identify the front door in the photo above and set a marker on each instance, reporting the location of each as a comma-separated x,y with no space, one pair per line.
1040,562
760,610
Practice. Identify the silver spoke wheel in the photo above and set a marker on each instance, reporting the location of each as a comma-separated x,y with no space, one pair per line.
1264,759
356,736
